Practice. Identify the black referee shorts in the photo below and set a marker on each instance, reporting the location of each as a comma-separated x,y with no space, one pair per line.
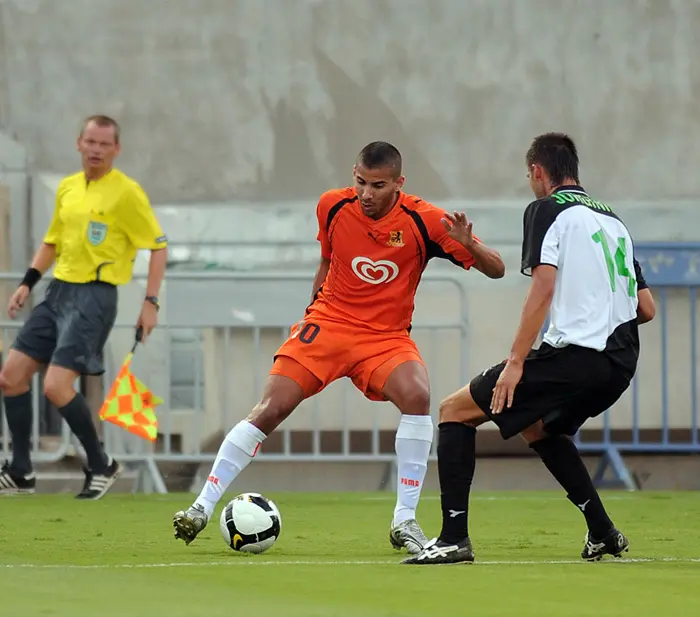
563,387
70,327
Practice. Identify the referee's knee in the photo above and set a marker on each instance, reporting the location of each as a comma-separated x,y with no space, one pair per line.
58,387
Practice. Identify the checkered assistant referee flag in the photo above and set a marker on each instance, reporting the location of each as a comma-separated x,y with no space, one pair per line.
130,404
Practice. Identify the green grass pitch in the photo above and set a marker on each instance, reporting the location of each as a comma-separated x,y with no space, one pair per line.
117,558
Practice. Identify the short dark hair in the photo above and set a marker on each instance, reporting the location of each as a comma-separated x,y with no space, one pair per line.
103,122
380,154
557,153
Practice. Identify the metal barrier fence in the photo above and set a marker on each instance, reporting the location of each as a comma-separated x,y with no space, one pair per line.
227,351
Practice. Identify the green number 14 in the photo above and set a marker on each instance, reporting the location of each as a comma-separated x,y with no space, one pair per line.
619,262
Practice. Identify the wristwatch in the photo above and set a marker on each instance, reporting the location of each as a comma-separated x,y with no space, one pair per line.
154,301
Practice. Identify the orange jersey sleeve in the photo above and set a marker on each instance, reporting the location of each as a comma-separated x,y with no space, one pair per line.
440,244
328,206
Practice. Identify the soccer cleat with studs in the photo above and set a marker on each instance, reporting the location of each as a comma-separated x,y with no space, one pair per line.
15,484
437,552
189,523
615,543
407,535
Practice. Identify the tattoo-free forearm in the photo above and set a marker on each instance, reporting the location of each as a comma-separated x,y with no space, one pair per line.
488,260
44,257
537,303
156,271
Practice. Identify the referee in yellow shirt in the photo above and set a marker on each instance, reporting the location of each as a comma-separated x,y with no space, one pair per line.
102,217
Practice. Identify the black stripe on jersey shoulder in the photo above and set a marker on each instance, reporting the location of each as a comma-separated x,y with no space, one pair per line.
422,230
337,208
432,248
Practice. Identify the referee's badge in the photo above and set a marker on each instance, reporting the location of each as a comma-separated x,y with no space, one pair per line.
97,232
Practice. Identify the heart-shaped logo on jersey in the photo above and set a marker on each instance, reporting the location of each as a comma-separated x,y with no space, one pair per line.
374,272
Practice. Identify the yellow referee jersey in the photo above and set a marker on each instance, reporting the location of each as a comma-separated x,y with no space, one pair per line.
98,226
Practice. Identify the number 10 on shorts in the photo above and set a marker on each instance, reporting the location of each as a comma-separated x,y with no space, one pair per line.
307,332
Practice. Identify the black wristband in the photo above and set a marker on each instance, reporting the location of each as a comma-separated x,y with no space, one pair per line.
31,278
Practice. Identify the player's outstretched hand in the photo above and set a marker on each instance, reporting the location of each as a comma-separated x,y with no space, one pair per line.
505,386
459,228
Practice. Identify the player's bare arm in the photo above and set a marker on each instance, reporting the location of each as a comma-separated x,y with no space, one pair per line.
488,261
646,309
537,303
321,274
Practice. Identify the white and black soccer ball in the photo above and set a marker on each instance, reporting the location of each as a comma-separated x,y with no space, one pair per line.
250,523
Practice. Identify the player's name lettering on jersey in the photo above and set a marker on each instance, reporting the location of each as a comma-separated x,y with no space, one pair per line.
374,272
563,197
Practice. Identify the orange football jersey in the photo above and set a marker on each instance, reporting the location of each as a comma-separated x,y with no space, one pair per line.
376,265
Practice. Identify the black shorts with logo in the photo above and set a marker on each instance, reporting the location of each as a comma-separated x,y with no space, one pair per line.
70,327
563,387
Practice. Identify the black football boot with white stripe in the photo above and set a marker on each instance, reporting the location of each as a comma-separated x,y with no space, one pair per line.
16,484
437,552
615,543
96,485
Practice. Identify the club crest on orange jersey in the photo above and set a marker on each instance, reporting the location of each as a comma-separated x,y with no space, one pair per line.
395,238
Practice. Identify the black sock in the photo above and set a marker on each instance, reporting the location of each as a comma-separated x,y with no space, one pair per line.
18,411
77,415
456,461
561,456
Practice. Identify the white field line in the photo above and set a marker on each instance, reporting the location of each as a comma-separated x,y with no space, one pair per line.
252,562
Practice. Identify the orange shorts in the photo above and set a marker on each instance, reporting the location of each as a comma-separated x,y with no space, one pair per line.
330,350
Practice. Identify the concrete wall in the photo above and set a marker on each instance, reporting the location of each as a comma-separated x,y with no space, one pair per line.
272,99
15,175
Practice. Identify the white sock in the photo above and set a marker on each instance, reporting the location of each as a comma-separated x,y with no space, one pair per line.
413,440
237,450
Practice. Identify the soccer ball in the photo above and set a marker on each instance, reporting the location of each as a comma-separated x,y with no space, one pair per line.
250,523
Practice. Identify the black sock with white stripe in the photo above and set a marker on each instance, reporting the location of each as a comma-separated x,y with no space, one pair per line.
456,452
77,415
18,411
563,460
